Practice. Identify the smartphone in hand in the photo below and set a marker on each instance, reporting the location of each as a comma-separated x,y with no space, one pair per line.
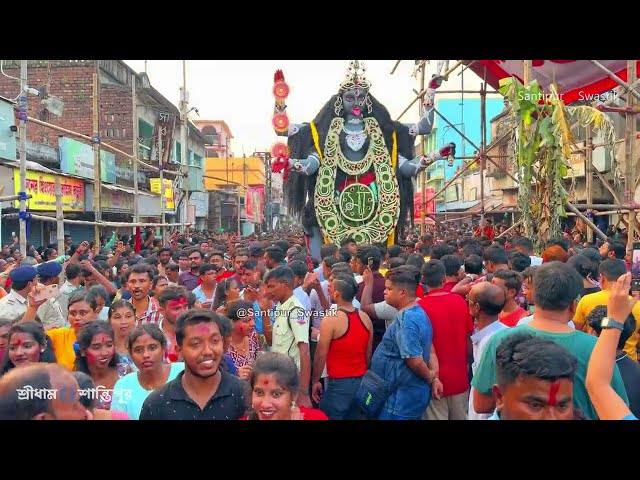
49,291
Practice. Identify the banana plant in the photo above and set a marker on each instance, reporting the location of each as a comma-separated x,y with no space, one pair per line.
542,144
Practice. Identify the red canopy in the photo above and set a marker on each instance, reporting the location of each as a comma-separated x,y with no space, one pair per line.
576,79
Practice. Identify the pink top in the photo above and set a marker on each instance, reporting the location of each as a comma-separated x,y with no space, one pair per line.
118,415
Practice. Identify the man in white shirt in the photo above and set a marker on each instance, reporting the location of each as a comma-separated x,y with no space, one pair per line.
290,327
525,245
486,301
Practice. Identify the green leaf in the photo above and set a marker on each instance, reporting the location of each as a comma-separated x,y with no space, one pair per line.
544,125
563,170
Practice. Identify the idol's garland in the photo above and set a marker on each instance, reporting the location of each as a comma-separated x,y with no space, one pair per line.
367,213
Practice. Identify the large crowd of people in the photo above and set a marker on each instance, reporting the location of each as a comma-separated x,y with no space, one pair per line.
459,323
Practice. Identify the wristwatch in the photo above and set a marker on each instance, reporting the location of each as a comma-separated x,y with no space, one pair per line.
610,323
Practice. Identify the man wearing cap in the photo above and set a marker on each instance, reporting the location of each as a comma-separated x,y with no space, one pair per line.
14,305
50,312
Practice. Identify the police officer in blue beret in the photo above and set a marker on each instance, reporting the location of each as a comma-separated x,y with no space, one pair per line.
50,312
14,305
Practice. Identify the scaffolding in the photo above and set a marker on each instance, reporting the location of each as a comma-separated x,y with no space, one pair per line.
624,201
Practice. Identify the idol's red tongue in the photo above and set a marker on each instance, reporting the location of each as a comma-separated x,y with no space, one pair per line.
356,111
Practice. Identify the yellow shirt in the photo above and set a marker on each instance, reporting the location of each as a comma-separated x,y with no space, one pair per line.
62,340
593,300
383,271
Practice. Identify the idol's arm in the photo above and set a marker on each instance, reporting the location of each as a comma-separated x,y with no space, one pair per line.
410,168
425,124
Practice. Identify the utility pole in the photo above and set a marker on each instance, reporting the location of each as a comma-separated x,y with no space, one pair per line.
97,181
136,141
162,192
185,141
23,157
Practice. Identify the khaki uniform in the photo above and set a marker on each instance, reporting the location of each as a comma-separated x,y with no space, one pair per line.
50,313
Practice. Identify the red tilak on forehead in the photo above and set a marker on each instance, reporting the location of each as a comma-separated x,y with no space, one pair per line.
177,303
553,393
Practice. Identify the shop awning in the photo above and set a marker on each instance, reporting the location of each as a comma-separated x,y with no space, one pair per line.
576,79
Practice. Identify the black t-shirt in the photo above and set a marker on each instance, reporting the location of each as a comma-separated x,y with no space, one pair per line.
171,402
590,290
630,372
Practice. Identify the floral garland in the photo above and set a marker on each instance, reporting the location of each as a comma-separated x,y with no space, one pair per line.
386,209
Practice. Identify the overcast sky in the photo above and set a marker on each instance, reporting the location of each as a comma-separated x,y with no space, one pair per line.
239,91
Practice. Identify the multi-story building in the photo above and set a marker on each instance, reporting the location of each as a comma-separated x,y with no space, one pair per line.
158,120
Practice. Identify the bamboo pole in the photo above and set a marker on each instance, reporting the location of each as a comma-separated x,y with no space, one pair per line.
527,72
603,206
486,157
395,66
455,177
423,174
23,154
46,218
587,221
483,126
618,80
104,146
97,180
471,92
509,229
10,198
136,149
589,175
630,125
59,219
445,75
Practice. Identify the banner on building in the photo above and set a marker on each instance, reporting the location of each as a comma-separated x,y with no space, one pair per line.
116,201
254,203
168,191
76,158
42,188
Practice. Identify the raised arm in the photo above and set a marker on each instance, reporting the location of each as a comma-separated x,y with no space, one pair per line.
608,404
425,124
411,167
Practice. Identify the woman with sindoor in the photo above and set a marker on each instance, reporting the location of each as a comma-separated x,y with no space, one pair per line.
96,356
244,345
274,385
122,317
147,345
227,291
28,343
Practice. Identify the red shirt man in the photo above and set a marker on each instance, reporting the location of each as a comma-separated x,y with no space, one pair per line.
452,326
